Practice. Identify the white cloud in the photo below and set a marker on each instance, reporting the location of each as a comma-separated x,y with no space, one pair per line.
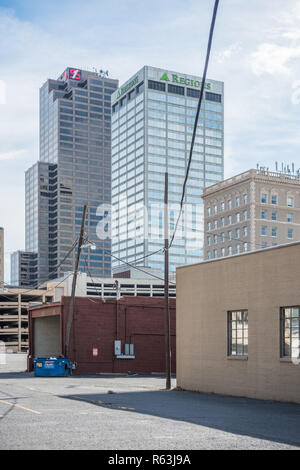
228,53
273,59
12,155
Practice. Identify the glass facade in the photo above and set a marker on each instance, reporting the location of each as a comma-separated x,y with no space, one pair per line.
23,269
74,169
152,126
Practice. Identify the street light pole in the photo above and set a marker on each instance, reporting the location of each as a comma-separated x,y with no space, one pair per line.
71,309
167,311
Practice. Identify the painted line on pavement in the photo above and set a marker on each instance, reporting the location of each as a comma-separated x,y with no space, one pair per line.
19,406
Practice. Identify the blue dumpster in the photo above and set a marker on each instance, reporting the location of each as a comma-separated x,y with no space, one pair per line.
51,367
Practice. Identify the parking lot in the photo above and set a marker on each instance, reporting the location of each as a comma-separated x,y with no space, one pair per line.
133,412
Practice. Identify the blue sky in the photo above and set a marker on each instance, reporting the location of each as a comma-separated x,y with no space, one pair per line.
256,52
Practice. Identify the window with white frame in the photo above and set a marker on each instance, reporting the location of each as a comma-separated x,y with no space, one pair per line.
237,333
264,198
289,332
264,214
274,199
264,230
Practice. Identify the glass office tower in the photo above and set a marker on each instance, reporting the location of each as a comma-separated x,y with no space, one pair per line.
23,269
75,161
153,117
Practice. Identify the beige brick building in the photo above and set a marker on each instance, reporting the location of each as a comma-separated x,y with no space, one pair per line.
253,210
1,257
238,323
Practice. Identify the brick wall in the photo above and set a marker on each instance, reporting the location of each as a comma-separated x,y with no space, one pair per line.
98,323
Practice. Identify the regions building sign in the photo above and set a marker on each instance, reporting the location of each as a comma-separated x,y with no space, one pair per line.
184,81
126,87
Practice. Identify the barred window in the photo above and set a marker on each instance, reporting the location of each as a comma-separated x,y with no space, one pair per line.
289,332
156,85
178,90
238,333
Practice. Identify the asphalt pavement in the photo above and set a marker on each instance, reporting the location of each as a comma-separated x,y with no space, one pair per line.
133,412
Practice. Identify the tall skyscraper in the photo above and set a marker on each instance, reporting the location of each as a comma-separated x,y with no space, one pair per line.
153,116
74,169
23,269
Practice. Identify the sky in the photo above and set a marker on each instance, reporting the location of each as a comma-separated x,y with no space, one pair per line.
256,52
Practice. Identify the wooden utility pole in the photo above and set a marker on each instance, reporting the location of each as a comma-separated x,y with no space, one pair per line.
71,309
167,311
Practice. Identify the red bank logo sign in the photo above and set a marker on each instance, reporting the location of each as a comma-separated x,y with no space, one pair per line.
71,74
75,74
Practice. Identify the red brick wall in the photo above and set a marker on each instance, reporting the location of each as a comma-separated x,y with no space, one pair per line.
137,320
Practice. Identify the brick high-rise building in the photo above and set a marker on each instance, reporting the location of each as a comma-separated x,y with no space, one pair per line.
253,210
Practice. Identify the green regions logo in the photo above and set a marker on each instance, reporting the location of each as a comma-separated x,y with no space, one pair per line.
184,81
127,87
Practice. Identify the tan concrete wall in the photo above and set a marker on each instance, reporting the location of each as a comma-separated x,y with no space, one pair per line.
260,282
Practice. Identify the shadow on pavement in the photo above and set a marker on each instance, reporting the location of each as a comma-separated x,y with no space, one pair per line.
271,421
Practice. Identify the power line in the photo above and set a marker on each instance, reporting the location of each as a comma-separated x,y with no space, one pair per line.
55,270
197,115
26,292
135,267
94,284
